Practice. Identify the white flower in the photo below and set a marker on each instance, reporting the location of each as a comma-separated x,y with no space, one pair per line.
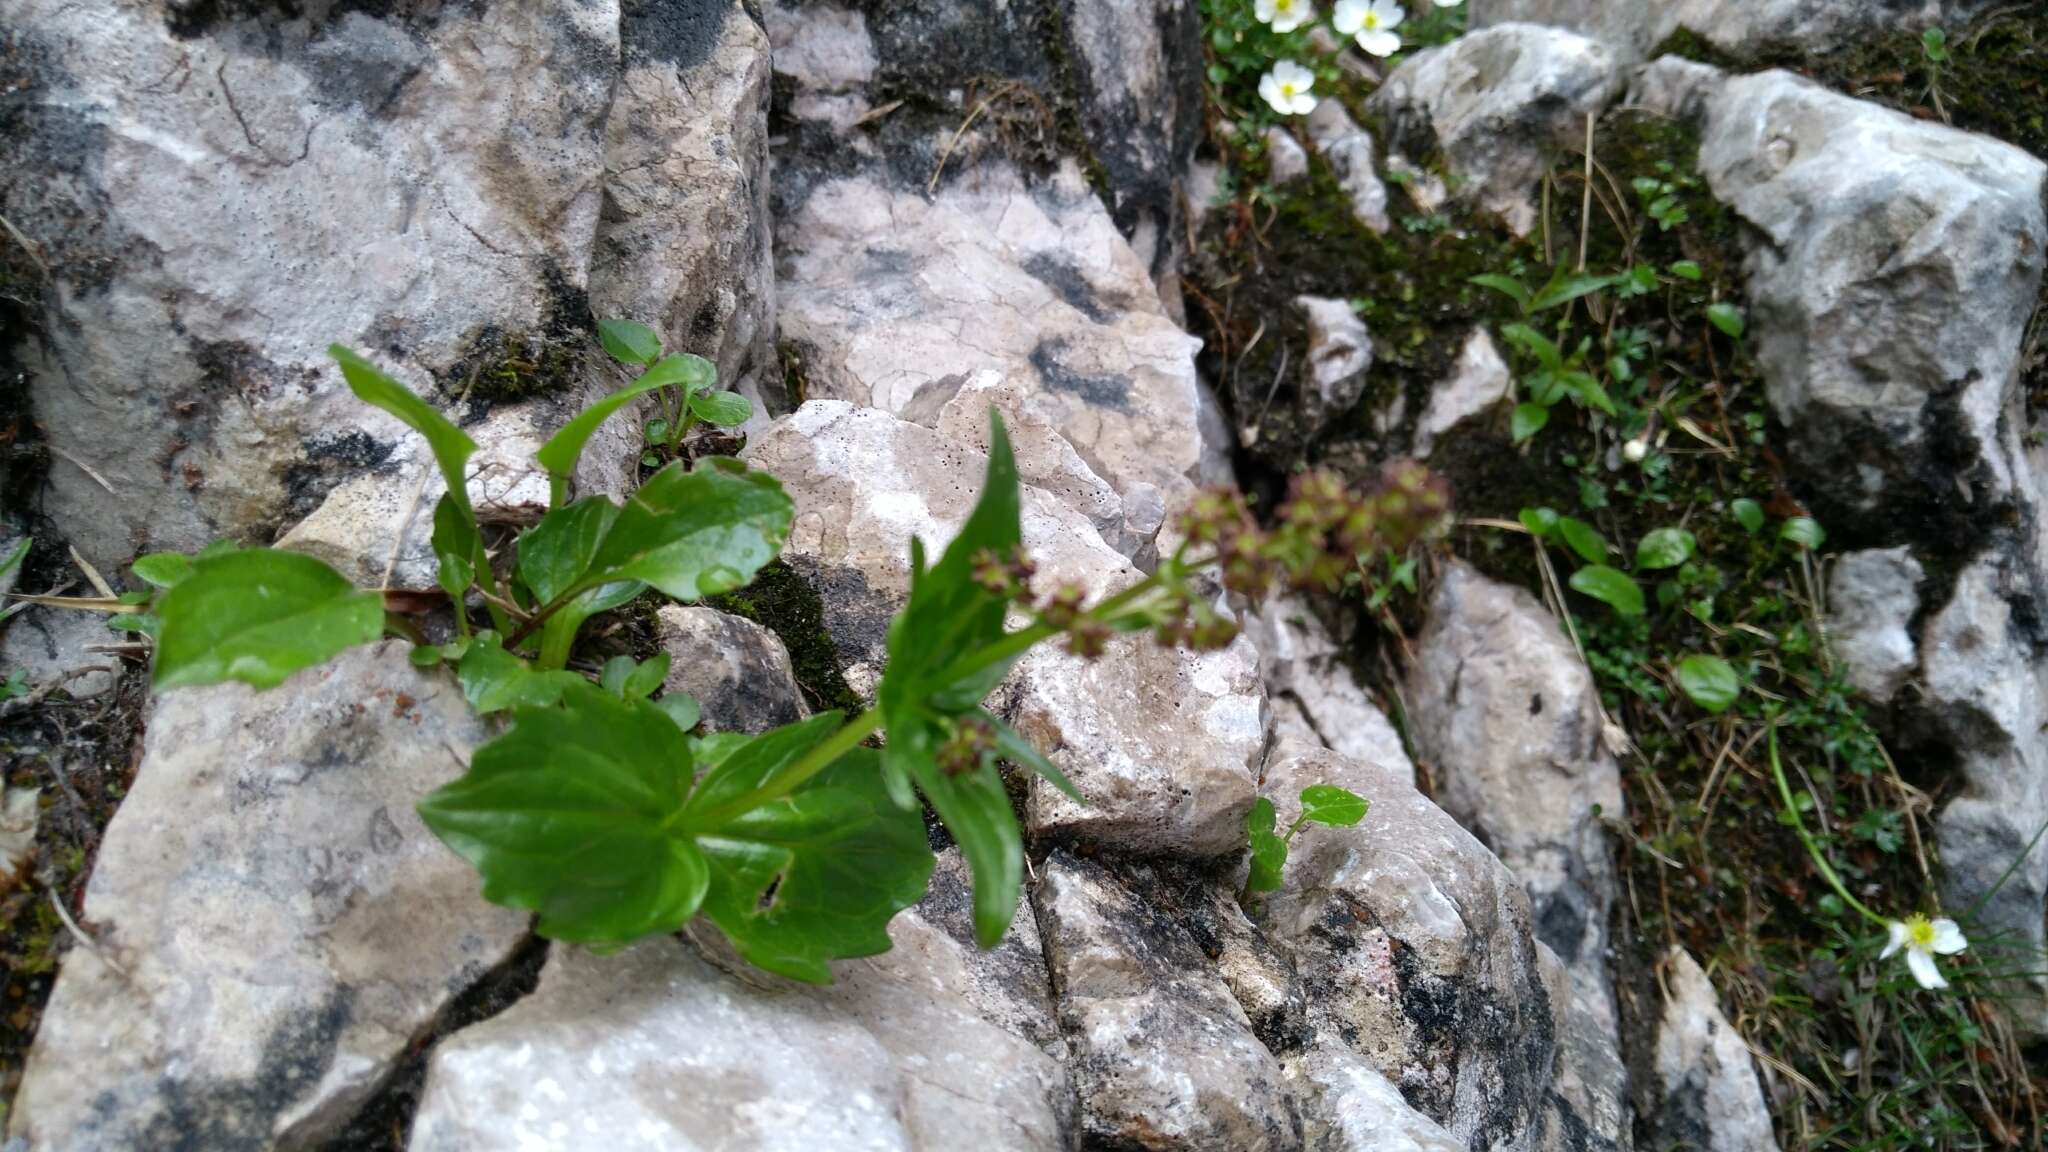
1922,940
1373,23
1636,449
1284,15
1448,3
1286,88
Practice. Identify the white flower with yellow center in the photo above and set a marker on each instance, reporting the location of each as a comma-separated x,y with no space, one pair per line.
1372,24
1922,940
1284,15
1286,88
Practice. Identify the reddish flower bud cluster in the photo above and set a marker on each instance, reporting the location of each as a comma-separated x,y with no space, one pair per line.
963,751
1005,576
1320,530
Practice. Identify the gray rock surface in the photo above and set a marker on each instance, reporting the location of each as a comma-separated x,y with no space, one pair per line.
1888,324
1334,365
367,180
738,671
50,647
20,812
933,1044
1348,1106
1478,382
1165,744
274,925
1348,150
1315,696
1708,1091
1164,1057
683,238
1418,951
1286,159
1635,28
1499,104
1873,597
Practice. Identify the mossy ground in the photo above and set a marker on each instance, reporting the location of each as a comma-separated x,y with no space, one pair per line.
1707,860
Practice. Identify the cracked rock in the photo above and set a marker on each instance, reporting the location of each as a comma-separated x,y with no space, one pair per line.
274,925
1737,26
1316,698
1348,150
1709,1097
1164,1057
738,671
1333,368
1873,597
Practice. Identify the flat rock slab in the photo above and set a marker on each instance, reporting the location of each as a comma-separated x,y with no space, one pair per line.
660,1048
274,925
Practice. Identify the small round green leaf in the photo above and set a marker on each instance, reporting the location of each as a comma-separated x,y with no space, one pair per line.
1331,805
1583,538
1527,420
1540,522
1803,531
158,569
1748,513
1686,270
629,342
1664,548
724,409
1728,318
1709,682
1612,588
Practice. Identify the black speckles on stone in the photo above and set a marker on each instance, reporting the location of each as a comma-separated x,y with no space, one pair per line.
325,463
681,33
1102,391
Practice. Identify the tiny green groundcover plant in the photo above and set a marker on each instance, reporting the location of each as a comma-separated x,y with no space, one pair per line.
602,810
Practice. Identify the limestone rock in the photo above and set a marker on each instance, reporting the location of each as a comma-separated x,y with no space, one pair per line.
683,240
1872,598
1738,26
50,646
283,924
890,295
1348,150
1286,160
367,180
1499,103
658,1047
20,812
1348,1106
1418,951
1710,1097
1310,685
1888,325
738,671
1164,1058
1477,384
1506,715
1334,366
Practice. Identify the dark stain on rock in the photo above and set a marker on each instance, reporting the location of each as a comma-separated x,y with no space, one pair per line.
682,33
1102,391
230,1115
325,463
1060,274
788,598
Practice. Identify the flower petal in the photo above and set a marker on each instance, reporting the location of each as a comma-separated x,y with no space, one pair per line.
1379,43
1921,964
1948,938
1390,13
1304,104
1349,17
1898,930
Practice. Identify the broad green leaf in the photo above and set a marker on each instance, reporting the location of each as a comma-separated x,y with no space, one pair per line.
1564,288
725,409
1686,270
1610,587
634,679
682,708
1664,548
494,680
258,616
424,656
1589,391
1541,522
1507,286
1536,344
1803,531
949,615
560,454
451,446
555,554
1728,318
629,342
1582,538
1331,805
568,814
454,575
1709,682
1269,851
455,532
753,766
558,635
976,809
1527,421
817,875
1749,514
697,533
158,569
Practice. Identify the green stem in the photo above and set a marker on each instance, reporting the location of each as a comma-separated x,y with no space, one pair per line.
1813,848
1015,644
819,758
558,492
